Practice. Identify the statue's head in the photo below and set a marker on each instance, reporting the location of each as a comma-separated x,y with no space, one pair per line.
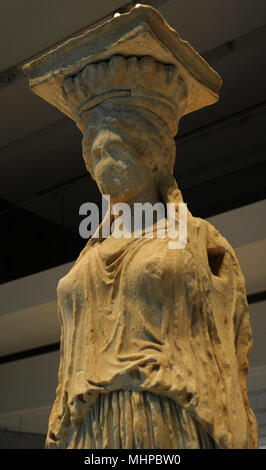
125,148
128,110
126,83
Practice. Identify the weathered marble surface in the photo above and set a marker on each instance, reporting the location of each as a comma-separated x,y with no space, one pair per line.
155,342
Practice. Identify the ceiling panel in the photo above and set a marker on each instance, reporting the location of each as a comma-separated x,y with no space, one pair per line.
28,28
206,24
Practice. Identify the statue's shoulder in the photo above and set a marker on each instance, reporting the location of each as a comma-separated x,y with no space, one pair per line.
204,226
213,237
85,251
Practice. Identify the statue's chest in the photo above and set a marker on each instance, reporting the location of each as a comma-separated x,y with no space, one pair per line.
140,271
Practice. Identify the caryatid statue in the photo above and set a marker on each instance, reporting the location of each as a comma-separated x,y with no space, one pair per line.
154,341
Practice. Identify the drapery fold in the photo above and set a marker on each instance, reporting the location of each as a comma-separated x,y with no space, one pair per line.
137,316
125,419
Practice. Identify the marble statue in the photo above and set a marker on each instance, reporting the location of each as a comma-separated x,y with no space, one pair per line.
155,342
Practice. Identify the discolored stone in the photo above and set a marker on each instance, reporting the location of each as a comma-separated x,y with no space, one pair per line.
155,341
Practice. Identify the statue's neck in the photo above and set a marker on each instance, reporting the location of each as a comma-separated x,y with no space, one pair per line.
130,216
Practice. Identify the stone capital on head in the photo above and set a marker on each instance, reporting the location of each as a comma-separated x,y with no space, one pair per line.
135,59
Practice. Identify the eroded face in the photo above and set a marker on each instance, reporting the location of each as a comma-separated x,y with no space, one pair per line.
116,168
122,154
